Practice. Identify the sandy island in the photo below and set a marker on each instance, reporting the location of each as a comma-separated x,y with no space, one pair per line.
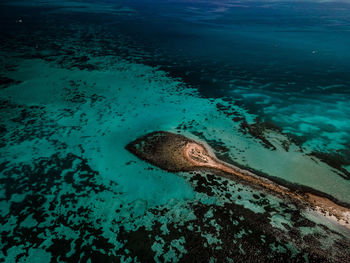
173,152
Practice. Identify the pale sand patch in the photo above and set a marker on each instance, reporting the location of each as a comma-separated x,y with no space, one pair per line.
330,209
199,155
175,153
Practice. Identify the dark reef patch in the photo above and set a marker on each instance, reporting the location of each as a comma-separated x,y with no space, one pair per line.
37,183
336,161
52,189
232,232
60,205
6,82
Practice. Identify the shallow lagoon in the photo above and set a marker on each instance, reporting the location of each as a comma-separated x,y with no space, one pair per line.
80,81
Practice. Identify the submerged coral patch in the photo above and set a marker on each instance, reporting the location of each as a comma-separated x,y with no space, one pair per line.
174,152
77,86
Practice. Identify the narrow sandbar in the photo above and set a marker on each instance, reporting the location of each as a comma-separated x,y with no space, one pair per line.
176,153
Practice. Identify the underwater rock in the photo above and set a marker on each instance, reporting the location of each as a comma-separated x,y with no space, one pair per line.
6,82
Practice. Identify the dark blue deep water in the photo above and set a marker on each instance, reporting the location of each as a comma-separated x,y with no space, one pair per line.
287,62
266,84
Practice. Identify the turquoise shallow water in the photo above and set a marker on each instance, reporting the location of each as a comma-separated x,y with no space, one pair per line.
80,80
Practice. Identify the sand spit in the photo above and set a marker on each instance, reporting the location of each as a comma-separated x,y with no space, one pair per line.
175,153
